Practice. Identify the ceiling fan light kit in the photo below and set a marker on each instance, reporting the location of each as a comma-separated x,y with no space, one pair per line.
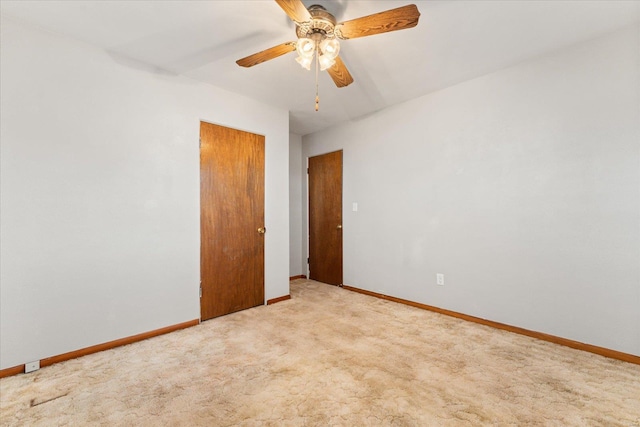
305,61
305,47
325,62
330,47
318,35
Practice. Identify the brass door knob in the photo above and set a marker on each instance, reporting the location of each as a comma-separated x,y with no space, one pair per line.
262,230
339,227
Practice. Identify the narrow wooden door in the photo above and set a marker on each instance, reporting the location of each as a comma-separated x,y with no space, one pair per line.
325,218
231,220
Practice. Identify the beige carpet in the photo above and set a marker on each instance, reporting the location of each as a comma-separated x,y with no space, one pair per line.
330,357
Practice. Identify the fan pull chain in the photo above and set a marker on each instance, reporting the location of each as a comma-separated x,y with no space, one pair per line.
317,66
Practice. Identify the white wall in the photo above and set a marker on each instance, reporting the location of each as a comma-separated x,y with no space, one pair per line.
100,194
522,187
297,176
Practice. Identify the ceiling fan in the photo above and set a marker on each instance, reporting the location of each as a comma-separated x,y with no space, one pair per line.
318,34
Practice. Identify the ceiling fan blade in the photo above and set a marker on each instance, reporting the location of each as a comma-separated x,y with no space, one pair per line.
295,9
265,55
339,73
383,22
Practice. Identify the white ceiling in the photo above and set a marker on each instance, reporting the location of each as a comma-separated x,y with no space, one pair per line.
453,42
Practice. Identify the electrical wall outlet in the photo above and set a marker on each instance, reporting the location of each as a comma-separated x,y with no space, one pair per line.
31,366
440,279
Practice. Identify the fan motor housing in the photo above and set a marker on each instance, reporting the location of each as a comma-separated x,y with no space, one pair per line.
321,26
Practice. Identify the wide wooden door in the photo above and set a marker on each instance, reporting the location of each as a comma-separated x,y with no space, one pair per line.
231,220
325,218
